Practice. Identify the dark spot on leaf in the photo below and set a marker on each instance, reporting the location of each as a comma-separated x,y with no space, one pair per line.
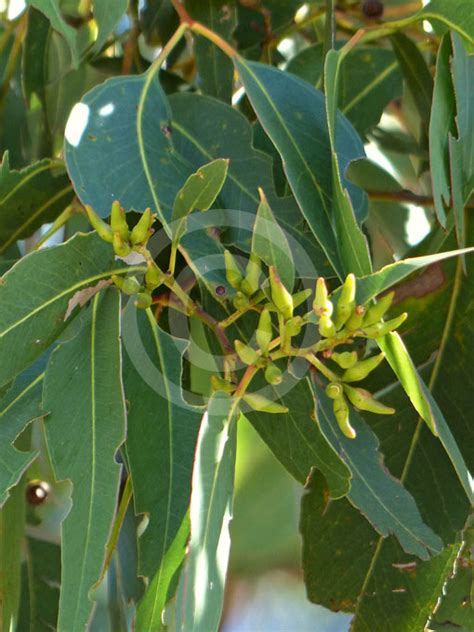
91,137
166,129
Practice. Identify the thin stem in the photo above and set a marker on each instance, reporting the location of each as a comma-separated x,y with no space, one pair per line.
225,47
247,377
172,262
322,368
119,518
59,222
240,312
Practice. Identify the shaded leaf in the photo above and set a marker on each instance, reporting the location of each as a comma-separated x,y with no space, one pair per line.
456,15
82,391
161,439
51,9
107,15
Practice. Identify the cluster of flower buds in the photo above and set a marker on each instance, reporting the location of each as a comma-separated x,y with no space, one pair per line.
245,285
124,241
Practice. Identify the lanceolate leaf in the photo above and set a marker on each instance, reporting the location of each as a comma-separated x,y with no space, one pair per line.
52,11
29,326
83,395
380,497
20,405
161,439
107,17
30,197
293,115
456,15
201,591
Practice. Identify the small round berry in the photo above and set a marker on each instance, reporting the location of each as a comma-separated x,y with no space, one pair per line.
220,290
37,492
372,8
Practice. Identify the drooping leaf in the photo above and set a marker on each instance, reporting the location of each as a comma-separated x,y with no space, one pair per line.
30,197
84,398
107,17
34,56
379,496
201,590
214,67
51,9
293,115
161,439
29,326
270,244
199,192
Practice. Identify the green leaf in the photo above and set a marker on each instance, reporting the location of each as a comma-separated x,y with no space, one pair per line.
416,74
20,405
199,192
82,390
201,591
457,16
30,197
270,244
51,9
34,56
160,454
370,79
12,525
293,115
442,126
381,498
353,249
215,69
28,327
107,15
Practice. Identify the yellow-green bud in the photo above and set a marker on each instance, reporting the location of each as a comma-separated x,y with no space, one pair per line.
345,359
362,399
141,231
144,300
273,374
294,326
121,247
382,328
232,270
376,312
301,297
219,384
264,333
262,404
103,230
356,318
118,280
118,221
361,369
327,329
251,282
131,286
246,353
322,304
346,301
334,390
240,300
281,298
341,412
154,277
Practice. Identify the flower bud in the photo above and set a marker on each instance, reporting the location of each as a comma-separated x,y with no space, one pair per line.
346,301
144,300
131,286
262,404
251,282
382,328
246,353
141,231
153,276
376,312
345,359
264,333
240,301
273,374
334,390
121,247
356,318
361,369
219,384
103,230
118,222
118,280
280,296
294,326
362,399
327,329
341,412
301,297
322,304
232,270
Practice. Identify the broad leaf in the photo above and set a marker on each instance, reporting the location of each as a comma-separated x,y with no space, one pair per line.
84,397
30,197
28,327
107,16
379,496
51,9
201,591
161,439
455,15
214,67
293,115
270,244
